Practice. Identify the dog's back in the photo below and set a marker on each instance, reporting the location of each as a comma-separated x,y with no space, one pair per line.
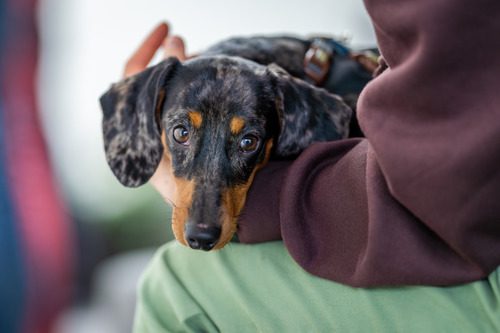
286,52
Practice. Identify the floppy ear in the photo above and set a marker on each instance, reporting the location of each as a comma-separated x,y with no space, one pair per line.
131,112
307,113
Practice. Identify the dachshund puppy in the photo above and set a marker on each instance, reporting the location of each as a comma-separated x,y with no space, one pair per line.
216,120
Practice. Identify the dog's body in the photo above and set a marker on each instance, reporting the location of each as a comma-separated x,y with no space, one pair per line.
215,120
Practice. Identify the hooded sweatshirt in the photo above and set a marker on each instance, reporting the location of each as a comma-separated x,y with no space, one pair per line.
418,200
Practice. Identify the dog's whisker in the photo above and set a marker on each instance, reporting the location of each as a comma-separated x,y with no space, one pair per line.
170,201
173,204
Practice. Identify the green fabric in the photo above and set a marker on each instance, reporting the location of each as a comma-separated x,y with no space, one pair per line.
259,288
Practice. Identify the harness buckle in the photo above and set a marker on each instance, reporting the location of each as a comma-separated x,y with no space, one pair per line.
317,61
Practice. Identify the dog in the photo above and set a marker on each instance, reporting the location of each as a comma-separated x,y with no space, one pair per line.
217,119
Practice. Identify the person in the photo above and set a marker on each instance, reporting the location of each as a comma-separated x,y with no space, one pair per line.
37,239
410,214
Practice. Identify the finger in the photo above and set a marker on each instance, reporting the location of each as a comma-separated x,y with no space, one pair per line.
174,47
143,55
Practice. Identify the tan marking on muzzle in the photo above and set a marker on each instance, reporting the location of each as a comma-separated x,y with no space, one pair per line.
236,125
183,194
233,200
183,200
196,118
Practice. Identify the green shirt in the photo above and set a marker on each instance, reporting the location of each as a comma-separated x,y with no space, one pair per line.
259,288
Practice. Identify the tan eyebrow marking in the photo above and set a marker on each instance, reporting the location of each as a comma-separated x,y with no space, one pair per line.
196,118
236,125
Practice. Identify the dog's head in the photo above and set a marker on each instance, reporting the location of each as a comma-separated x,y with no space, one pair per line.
215,121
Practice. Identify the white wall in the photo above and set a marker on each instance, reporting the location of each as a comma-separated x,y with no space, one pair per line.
86,42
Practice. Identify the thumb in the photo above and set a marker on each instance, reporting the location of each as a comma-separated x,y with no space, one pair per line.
174,47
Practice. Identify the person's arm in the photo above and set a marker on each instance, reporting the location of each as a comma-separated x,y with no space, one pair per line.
418,202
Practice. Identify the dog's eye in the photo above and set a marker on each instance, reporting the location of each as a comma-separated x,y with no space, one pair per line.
249,143
181,135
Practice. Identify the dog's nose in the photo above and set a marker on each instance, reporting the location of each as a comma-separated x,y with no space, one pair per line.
201,236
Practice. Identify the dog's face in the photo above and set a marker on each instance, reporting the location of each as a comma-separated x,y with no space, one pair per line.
215,121
219,119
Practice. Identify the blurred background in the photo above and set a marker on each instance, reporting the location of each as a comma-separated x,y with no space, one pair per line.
73,241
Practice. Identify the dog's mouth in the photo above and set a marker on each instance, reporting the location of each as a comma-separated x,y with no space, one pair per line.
202,236
210,234
202,224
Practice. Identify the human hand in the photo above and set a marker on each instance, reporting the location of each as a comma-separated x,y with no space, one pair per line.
173,46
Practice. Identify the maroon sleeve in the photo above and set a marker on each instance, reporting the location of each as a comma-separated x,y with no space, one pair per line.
418,201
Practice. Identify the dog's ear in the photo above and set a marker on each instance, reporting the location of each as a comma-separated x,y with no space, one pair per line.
131,113
307,113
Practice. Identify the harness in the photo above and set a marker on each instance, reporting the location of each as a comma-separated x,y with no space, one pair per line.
330,64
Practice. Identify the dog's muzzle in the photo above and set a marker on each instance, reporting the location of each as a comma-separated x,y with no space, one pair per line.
201,236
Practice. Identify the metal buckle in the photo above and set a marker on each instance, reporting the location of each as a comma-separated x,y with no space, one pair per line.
317,61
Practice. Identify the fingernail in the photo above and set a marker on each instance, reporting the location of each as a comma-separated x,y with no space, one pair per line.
173,41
